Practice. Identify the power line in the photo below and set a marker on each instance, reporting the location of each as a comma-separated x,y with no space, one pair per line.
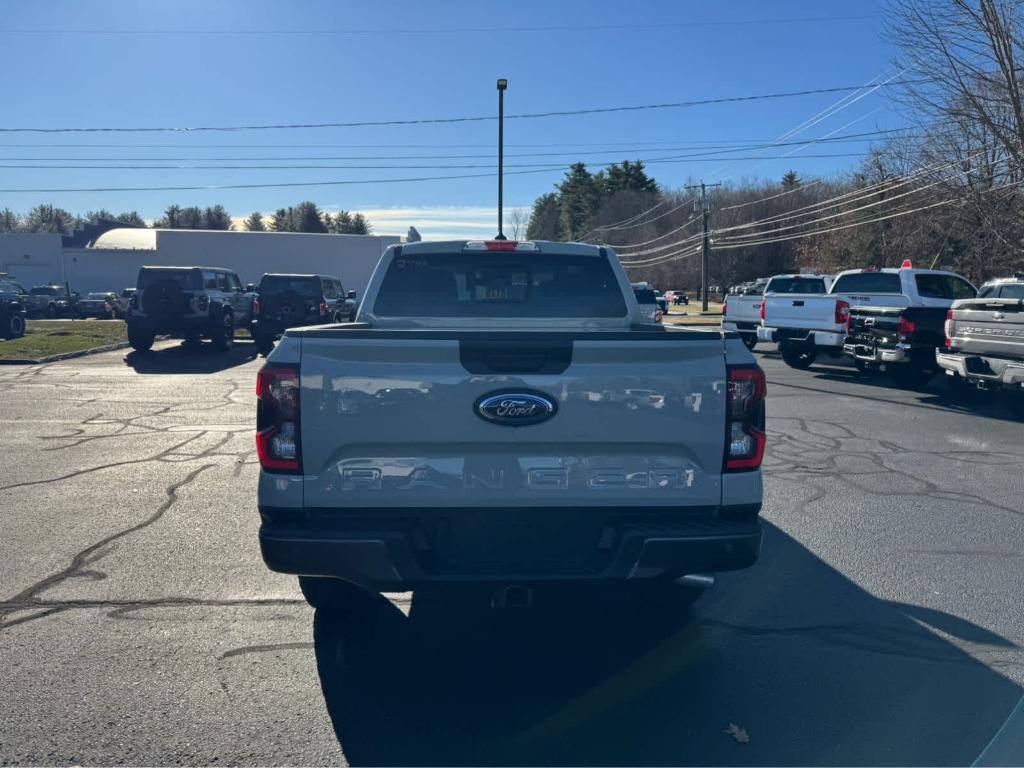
447,120
291,145
442,30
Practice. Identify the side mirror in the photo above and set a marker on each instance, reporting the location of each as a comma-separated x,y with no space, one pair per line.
250,288
350,295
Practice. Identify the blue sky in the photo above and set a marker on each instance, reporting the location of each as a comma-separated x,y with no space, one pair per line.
412,60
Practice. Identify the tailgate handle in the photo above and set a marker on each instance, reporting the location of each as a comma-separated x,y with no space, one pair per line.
491,356
798,303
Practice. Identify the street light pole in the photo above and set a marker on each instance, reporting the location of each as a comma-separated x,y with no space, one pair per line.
502,85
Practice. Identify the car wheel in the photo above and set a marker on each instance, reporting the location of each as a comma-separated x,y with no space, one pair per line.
140,341
223,337
910,376
749,341
264,344
332,594
799,356
14,326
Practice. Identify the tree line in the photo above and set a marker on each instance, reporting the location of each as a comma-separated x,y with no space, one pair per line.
947,192
304,217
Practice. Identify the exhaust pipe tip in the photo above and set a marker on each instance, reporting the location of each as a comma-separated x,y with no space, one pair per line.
698,580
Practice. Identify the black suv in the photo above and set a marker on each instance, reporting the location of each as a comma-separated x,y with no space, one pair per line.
188,302
290,301
12,309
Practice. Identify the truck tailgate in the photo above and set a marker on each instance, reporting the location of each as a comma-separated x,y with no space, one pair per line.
990,327
811,312
390,419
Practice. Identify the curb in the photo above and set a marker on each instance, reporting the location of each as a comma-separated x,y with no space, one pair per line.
67,355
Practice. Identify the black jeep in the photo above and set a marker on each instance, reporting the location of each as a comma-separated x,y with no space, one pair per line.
188,302
290,301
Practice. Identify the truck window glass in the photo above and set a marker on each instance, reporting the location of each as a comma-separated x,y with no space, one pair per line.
475,284
645,296
796,285
307,287
1012,292
189,279
943,287
868,282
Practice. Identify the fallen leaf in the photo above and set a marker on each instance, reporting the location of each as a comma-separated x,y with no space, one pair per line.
737,733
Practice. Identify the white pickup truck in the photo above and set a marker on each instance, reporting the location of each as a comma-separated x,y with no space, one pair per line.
807,326
499,415
743,311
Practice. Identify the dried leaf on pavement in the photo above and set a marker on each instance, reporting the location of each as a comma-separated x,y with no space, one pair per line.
738,733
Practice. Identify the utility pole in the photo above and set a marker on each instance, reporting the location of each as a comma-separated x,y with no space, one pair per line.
705,207
502,85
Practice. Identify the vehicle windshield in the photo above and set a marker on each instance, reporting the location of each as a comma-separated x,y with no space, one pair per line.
645,296
475,284
302,285
188,279
44,290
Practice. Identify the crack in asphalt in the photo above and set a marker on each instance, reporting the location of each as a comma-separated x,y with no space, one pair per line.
97,551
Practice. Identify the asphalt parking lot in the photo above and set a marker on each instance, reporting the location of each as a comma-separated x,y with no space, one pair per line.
138,625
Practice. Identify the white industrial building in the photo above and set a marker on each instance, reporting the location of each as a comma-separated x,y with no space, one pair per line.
110,260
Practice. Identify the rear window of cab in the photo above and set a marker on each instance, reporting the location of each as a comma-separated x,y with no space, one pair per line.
518,284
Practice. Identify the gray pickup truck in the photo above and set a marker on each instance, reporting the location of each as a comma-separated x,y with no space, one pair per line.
984,343
499,415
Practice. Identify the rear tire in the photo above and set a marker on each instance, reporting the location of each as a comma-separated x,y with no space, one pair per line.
332,594
799,356
141,341
264,344
749,341
14,326
223,336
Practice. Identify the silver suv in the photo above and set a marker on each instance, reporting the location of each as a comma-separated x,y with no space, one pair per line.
188,302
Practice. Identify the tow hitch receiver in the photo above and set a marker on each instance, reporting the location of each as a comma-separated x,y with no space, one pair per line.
513,596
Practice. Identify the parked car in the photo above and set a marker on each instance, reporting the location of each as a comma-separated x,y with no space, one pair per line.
677,297
662,301
650,311
290,301
12,309
806,326
984,340
49,301
532,350
124,302
188,302
103,304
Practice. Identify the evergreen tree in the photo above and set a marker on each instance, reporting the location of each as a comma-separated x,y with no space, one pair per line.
49,218
579,196
341,224
9,221
360,226
171,219
255,223
544,218
790,180
216,217
131,218
191,218
307,218
281,221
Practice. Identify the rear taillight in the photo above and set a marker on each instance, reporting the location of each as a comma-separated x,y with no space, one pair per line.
948,329
745,435
277,419
842,316
658,315
323,308
905,329
255,306
763,302
725,303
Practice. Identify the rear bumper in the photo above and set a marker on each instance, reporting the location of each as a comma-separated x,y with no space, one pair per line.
983,370
898,353
395,557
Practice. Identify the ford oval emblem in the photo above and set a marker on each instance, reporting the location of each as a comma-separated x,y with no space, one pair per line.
516,409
